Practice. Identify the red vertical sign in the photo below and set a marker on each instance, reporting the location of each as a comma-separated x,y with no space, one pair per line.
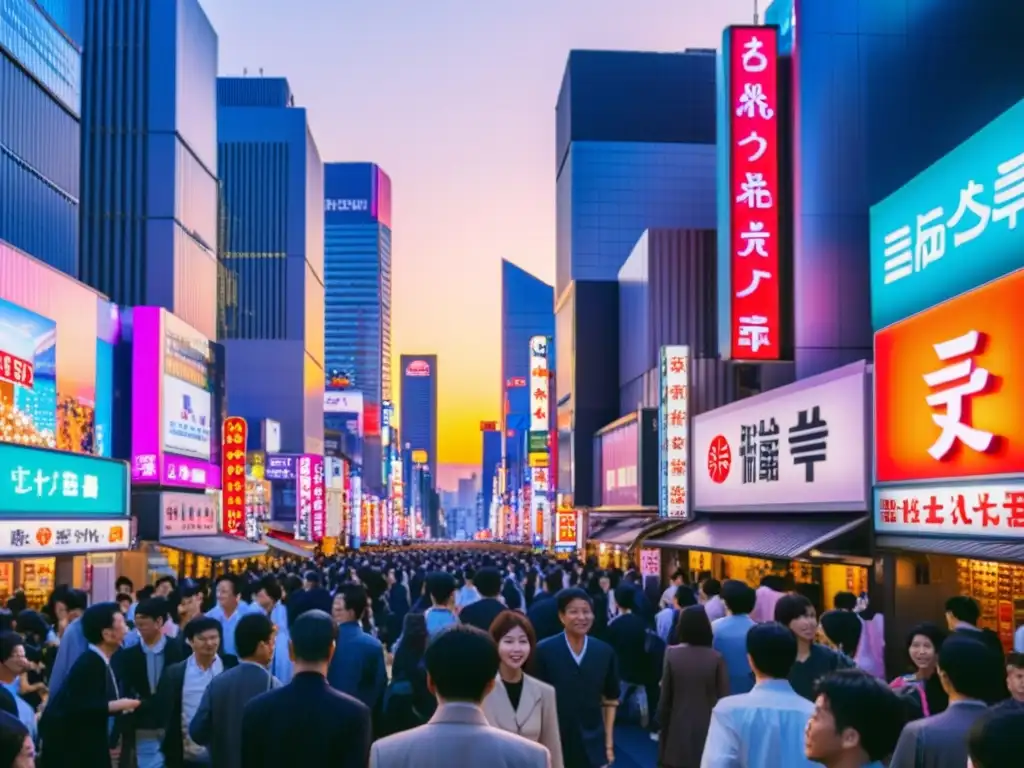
318,491
755,332
232,462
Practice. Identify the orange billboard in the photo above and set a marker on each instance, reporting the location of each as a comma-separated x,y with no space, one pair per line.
565,530
949,388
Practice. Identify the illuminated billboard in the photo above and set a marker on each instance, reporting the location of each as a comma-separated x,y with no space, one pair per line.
418,368
674,432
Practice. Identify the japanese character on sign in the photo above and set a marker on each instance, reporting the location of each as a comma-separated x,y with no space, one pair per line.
969,202
754,192
756,239
931,239
899,254
753,58
808,441
754,332
760,141
748,452
1009,191
755,280
972,381
754,102
768,451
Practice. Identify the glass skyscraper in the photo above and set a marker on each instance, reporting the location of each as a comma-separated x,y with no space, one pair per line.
40,110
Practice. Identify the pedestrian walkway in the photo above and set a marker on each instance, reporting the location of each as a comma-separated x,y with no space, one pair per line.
634,748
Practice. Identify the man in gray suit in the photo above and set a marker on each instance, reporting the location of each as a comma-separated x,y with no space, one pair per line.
217,724
462,664
968,670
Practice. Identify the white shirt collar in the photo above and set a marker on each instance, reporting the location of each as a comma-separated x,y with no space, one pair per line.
577,657
99,651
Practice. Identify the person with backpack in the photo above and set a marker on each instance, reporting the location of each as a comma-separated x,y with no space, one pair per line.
922,687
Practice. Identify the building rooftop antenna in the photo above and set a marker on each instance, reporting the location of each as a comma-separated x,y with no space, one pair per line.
756,15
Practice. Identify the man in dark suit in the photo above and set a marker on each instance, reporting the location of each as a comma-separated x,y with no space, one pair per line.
307,722
77,726
182,687
217,724
484,611
966,668
962,615
140,667
583,672
543,613
358,668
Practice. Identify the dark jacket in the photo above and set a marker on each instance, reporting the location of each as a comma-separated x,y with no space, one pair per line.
305,723
169,695
130,666
627,635
543,614
358,667
482,613
217,724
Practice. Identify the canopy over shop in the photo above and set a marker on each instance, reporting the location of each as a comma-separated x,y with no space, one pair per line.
782,488
281,539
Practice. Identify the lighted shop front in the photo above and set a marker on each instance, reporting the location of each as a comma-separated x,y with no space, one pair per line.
63,519
781,487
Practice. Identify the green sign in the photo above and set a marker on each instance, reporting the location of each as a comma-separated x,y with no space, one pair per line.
38,483
537,442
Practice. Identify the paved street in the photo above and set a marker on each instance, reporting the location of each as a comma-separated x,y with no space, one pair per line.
634,748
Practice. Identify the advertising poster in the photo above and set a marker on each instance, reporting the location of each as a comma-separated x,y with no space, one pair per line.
620,451
233,480
304,498
186,419
318,509
187,514
565,530
674,432
28,377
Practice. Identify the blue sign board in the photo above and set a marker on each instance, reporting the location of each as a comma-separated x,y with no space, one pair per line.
39,483
955,226
280,466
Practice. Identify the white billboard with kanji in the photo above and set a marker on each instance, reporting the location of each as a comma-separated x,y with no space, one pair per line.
801,448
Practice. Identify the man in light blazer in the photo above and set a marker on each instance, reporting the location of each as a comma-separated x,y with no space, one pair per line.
967,669
462,663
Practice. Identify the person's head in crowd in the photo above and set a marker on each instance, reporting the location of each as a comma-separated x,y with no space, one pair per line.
13,660
576,611
857,720
145,593
772,582
164,586
516,640
1015,676
124,586
625,597
150,617
103,626
968,669
604,581
291,584
311,642
32,626
468,573
961,610
462,663
190,603
414,634
268,592
678,577
553,581
739,599
845,601
229,593
693,627
996,740
488,582
124,602
203,633
254,638
311,580
842,629
74,603
350,604
771,651
16,747
797,613
709,588
684,597
923,644
441,588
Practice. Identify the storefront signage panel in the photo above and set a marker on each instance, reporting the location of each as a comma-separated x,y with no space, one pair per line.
674,433
35,482
954,226
620,453
992,509
539,489
280,467
565,530
803,447
29,538
187,514
949,388
752,121
540,412
233,459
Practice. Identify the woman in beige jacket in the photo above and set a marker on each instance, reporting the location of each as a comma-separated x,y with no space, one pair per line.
519,703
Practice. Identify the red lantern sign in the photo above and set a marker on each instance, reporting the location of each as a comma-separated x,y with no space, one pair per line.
232,458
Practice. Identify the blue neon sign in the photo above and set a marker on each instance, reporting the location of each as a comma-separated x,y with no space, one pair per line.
953,227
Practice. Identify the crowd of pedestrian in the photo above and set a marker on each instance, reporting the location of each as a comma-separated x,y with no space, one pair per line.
415,658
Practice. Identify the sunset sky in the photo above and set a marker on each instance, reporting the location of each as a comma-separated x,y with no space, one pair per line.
455,100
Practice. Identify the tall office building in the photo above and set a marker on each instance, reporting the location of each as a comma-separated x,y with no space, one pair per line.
491,450
635,149
272,248
40,109
419,406
149,157
527,310
357,292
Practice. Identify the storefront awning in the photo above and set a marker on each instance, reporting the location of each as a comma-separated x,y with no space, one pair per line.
217,547
770,536
619,531
288,547
974,549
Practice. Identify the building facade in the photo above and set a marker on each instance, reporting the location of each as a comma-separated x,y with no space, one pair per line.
866,123
357,291
272,250
635,149
418,418
149,157
40,113
491,440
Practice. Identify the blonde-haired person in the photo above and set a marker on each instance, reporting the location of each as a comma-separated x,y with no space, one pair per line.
519,703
